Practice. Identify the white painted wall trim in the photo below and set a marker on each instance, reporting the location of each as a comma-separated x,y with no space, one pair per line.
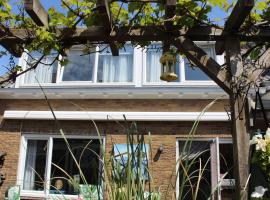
131,116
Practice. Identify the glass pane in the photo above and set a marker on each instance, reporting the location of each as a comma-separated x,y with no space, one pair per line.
86,153
195,73
226,167
44,72
35,165
226,160
195,160
116,68
153,66
138,154
79,67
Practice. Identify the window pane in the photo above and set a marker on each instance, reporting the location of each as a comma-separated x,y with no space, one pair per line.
139,156
79,68
226,167
116,68
153,66
197,158
88,160
35,165
195,73
44,73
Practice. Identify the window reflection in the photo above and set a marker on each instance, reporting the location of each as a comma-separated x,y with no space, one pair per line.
79,67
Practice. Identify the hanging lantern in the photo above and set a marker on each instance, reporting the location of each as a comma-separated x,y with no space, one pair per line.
168,67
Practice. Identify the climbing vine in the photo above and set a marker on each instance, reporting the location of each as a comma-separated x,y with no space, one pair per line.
129,13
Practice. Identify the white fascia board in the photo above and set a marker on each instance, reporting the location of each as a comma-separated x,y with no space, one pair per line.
131,116
149,92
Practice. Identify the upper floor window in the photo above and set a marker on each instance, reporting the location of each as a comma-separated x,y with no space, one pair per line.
45,72
102,67
193,73
153,66
79,67
116,68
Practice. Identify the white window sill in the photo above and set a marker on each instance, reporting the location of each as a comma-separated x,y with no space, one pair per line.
198,83
180,84
49,197
32,194
76,84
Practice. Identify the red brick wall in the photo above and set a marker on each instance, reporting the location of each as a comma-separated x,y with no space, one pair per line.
164,133
157,105
9,143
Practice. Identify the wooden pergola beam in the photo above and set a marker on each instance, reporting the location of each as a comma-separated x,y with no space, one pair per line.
102,7
143,33
15,48
168,23
239,13
37,12
260,66
123,34
207,64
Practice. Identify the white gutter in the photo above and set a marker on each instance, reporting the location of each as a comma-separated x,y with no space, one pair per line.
131,116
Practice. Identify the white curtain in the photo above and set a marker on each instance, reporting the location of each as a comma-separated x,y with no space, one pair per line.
30,166
43,72
115,69
153,66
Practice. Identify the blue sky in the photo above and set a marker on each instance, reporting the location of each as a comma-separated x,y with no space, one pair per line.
216,13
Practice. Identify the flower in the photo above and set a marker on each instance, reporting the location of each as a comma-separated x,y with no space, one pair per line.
259,192
261,145
255,139
267,135
262,152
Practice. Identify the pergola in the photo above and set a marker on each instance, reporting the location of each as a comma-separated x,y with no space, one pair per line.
227,40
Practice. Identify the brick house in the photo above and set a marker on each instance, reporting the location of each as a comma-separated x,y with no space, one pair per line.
104,88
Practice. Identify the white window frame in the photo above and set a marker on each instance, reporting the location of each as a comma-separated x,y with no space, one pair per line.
161,83
214,153
20,81
211,46
182,80
139,72
62,69
134,74
22,160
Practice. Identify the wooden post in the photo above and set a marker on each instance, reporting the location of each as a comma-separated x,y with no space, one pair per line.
237,17
239,119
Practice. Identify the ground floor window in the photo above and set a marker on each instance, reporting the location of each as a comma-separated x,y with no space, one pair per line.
205,168
49,167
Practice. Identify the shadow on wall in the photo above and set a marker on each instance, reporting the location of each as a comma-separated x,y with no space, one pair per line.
2,160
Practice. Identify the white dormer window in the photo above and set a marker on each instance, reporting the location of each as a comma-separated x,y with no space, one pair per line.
134,66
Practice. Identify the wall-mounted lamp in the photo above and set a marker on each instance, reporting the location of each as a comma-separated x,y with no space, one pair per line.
160,149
